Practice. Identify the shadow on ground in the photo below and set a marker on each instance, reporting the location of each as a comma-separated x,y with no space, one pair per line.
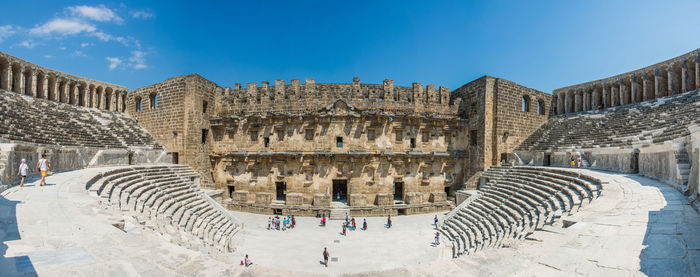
11,266
672,238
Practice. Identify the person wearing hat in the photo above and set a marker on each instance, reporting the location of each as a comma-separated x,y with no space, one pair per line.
44,167
22,172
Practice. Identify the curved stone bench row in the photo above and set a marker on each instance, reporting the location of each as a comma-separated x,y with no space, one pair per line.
514,203
27,119
166,198
645,123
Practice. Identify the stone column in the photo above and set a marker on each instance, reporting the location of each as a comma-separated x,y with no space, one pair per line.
635,89
33,83
118,106
560,103
56,89
697,71
6,76
606,96
646,89
586,100
671,80
76,93
567,100
93,98
684,77
658,87
577,100
45,87
595,102
615,96
623,92
20,86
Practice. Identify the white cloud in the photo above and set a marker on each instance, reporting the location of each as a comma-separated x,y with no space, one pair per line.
27,44
7,31
99,13
61,26
107,37
114,62
141,14
63,48
138,60
86,44
78,53
49,56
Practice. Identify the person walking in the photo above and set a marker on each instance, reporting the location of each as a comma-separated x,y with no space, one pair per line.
344,228
437,238
436,221
573,162
323,220
22,172
44,166
364,224
353,224
284,224
294,222
388,221
325,256
269,222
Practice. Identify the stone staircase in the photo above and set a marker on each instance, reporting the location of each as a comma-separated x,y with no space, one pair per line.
338,213
167,198
515,202
683,165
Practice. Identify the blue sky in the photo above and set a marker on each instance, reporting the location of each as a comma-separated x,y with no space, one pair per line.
539,44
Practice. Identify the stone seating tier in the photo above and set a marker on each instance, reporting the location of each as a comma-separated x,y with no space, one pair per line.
645,123
28,119
514,202
167,198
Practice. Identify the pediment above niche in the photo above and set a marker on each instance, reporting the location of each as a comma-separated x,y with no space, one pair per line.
339,107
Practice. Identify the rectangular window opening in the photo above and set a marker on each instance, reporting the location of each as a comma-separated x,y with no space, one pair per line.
205,133
339,142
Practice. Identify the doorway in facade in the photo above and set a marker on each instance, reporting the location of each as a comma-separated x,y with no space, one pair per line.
546,161
281,188
340,190
398,191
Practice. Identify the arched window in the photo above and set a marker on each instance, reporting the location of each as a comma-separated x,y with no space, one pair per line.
526,103
540,107
153,98
138,104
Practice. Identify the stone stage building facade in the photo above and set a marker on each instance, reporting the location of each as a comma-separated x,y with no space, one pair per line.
298,148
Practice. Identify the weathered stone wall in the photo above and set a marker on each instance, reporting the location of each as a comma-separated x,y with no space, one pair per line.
512,122
178,120
493,108
659,162
253,154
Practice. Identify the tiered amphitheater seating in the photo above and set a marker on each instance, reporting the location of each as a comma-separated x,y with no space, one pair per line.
166,198
515,202
28,119
640,124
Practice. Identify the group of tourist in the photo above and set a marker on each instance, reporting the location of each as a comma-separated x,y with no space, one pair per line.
287,222
42,166
576,161
351,224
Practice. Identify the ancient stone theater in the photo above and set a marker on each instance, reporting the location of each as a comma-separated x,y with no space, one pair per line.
186,176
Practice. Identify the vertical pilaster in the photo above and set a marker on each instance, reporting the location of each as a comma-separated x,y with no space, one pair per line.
577,100
634,89
606,95
684,77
